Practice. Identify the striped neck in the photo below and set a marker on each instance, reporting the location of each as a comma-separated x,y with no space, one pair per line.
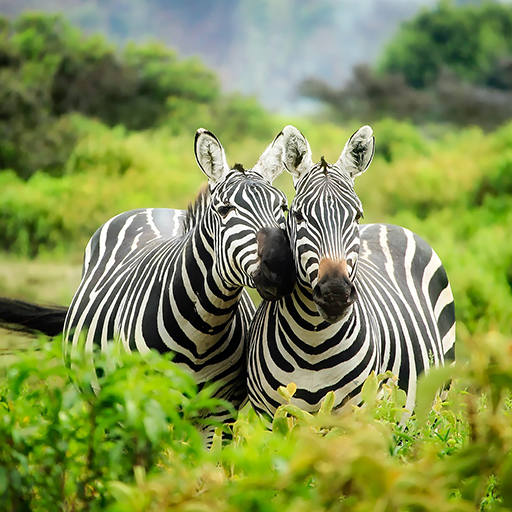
215,302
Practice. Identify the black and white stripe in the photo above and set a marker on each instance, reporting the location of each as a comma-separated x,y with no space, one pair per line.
174,281
368,298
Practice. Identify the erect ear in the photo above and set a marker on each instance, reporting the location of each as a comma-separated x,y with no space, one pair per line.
271,163
357,153
210,156
297,153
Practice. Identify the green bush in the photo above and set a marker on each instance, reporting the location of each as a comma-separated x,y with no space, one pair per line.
52,77
108,172
49,70
134,446
62,447
468,39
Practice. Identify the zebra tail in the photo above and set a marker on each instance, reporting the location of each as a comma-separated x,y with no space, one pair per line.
30,318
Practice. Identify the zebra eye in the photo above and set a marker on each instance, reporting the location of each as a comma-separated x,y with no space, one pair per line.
298,216
359,216
224,209
284,207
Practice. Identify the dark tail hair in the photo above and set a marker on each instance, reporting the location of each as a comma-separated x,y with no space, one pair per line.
30,318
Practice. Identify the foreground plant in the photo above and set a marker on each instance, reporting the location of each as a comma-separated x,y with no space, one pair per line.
133,447
63,444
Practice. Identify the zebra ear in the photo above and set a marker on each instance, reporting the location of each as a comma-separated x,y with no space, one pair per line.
358,152
210,156
297,153
270,164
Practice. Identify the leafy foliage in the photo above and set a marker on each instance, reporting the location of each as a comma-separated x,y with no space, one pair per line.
63,443
108,171
49,71
471,40
134,447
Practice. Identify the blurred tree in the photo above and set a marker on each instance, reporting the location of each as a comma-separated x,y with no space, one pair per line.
258,47
368,95
48,70
470,40
451,63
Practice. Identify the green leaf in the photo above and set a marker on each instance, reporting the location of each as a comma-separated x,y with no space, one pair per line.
3,480
280,422
428,386
288,391
370,389
506,477
328,403
298,413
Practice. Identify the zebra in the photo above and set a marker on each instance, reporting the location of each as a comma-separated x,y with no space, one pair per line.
374,297
173,280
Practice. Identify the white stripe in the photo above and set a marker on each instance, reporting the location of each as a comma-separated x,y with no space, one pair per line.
449,339
151,222
445,298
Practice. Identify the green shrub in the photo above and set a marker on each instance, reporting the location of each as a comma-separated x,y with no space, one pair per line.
133,446
49,70
62,448
468,39
107,173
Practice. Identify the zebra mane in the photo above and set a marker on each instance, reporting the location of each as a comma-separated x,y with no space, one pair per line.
324,165
195,211
239,167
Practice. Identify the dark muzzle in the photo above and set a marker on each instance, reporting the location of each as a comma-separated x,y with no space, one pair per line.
333,297
275,276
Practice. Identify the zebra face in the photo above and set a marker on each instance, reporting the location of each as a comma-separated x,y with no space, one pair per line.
323,223
324,232
251,245
247,222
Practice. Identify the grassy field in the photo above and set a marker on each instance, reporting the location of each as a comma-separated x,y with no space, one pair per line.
43,281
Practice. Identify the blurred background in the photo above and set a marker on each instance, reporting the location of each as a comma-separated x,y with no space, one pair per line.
100,100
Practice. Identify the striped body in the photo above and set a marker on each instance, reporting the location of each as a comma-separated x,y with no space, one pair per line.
403,321
173,280
368,298
144,285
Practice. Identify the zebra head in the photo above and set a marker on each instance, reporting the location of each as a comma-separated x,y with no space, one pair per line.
247,222
323,223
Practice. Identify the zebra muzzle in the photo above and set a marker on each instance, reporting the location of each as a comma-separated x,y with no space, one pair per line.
334,298
334,292
275,277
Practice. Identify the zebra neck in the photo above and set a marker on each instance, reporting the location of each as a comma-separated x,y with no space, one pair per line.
199,282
